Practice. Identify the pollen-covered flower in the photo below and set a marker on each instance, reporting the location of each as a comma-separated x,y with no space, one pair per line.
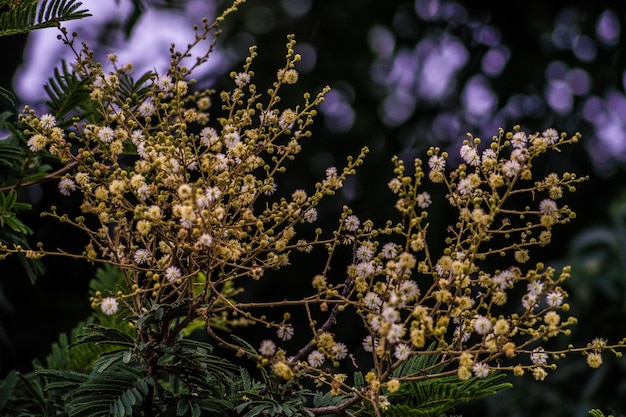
146,109
423,200
267,348
66,186
539,357
209,136
316,359
480,369
106,134
142,256
554,299
285,332
482,325
437,163
339,351
519,140
551,136
242,79
511,168
352,223
109,306
47,121
402,351
173,273
205,240
287,119
470,155
37,142
594,359
548,207
368,343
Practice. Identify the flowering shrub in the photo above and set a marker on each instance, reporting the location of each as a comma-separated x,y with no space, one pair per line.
182,197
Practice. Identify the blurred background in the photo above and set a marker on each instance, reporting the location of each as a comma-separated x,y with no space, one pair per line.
405,75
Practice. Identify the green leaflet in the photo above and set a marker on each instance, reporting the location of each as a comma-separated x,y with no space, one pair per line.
33,14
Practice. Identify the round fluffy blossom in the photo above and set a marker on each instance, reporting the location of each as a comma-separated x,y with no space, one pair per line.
594,360
164,83
106,134
423,200
539,357
470,155
172,273
437,163
316,358
554,299
208,136
146,109
548,207
482,325
37,142
402,351
109,306
511,168
213,193
339,351
205,239
390,250
480,369
352,223
142,256
66,186
551,136
519,140
368,343
310,215
267,348
285,332
48,121
242,79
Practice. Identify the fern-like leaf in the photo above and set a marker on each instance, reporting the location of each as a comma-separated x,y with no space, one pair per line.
67,95
38,14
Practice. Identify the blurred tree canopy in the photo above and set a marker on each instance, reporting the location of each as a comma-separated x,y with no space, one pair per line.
405,75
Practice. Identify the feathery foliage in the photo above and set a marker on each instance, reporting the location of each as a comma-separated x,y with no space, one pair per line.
27,15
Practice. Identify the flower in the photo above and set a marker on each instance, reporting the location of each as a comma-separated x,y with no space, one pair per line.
539,357
208,136
368,343
172,273
423,200
470,155
548,206
146,109
37,142
437,163
482,325
142,256
402,351
339,351
267,348
285,332
106,134
316,358
66,186
390,250
480,369
109,306
205,239
164,83
519,140
511,168
213,193
551,136
242,79
554,299
594,359
48,121
352,223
